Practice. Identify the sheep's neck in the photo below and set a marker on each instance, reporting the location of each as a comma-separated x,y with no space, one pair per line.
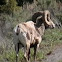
41,29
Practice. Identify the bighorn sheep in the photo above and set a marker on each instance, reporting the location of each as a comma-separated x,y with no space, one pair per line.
29,34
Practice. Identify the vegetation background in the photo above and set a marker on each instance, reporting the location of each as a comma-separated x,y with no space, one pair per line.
13,12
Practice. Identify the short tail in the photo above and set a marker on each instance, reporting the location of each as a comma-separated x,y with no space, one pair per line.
17,30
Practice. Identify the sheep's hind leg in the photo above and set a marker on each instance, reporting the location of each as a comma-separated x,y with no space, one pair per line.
27,53
17,50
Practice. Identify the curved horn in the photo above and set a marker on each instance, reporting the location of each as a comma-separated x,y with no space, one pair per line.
47,18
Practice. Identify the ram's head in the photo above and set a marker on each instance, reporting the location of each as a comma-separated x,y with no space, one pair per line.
43,17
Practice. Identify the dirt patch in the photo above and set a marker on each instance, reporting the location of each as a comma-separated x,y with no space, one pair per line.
55,56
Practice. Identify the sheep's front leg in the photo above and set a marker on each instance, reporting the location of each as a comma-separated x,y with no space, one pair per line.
17,50
35,51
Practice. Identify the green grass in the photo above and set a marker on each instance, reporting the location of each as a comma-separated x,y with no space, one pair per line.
60,61
7,56
51,38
